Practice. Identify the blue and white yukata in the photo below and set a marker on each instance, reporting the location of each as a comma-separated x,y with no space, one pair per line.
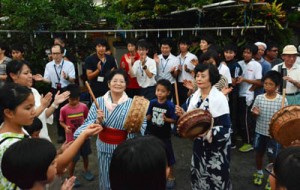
211,153
114,119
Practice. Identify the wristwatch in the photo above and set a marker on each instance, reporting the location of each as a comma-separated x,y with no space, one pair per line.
145,67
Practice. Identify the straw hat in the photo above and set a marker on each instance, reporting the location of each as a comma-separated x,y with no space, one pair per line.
290,50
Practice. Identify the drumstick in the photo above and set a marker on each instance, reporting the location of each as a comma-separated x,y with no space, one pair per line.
92,94
284,73
176,94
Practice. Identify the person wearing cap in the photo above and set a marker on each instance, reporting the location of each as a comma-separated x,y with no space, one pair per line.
97,66
266,66
292,76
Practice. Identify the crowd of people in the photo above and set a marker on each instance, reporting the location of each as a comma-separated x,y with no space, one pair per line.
241,96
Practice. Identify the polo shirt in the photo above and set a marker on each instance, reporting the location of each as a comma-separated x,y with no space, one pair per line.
53,72
186,60
165,66
142,78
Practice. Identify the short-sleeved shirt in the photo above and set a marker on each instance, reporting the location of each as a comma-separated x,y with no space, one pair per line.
99,83
186,60
73,117
235,71
141,77
267,109
165,66
266,66
157,126
14,137
132,82
53,72
294,73
251,71
224,70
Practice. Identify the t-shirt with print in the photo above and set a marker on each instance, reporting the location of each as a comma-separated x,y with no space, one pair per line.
73,117
157,126
11,139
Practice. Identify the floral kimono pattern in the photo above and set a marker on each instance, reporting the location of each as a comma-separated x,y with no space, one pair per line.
210,169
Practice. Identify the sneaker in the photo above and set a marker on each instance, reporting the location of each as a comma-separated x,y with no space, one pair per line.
246,148
268,187
76,183
88,175
170,183
258,178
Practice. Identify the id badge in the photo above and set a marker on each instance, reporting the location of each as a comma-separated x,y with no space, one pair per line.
100,79
58,86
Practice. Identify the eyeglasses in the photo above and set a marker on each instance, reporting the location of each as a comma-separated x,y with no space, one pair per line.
55,53
269,169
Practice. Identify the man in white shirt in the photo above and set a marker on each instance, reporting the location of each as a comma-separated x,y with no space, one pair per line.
167,64
144,70
185,68
60,73
290,72
252,74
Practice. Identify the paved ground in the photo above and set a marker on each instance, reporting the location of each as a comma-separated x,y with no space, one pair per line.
242,167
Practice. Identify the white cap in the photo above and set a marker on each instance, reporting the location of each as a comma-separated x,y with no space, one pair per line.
261,44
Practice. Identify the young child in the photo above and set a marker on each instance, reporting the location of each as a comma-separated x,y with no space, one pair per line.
35,128
264,107
72,115
36,166
160,115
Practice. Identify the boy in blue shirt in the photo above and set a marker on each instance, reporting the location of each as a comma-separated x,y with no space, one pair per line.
160,115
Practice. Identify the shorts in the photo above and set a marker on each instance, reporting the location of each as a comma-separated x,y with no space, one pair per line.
169,151
262,143
84,151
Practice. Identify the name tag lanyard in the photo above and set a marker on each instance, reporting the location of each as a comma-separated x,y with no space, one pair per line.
102,66
58,75
164,65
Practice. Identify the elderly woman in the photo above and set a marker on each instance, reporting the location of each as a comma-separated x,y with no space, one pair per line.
114,107
211,151
20,73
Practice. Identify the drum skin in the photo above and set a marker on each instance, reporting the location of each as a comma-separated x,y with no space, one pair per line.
285,125
194,123
136,114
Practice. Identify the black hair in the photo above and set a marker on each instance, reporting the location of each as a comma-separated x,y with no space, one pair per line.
74,90
166,83
11,96
37,125
62,49
271,45
143,44
26,161
166,41
184,40
15,67
210,54
287,168
17,47
102,42
4,47
131,41
208,38
252,48
214,75
117,71
139,163
230,47
273,76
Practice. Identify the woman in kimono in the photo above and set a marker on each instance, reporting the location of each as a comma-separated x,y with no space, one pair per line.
211,151
114,106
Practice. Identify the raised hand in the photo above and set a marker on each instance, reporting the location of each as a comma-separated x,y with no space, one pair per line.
45,100
37,77
59,98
